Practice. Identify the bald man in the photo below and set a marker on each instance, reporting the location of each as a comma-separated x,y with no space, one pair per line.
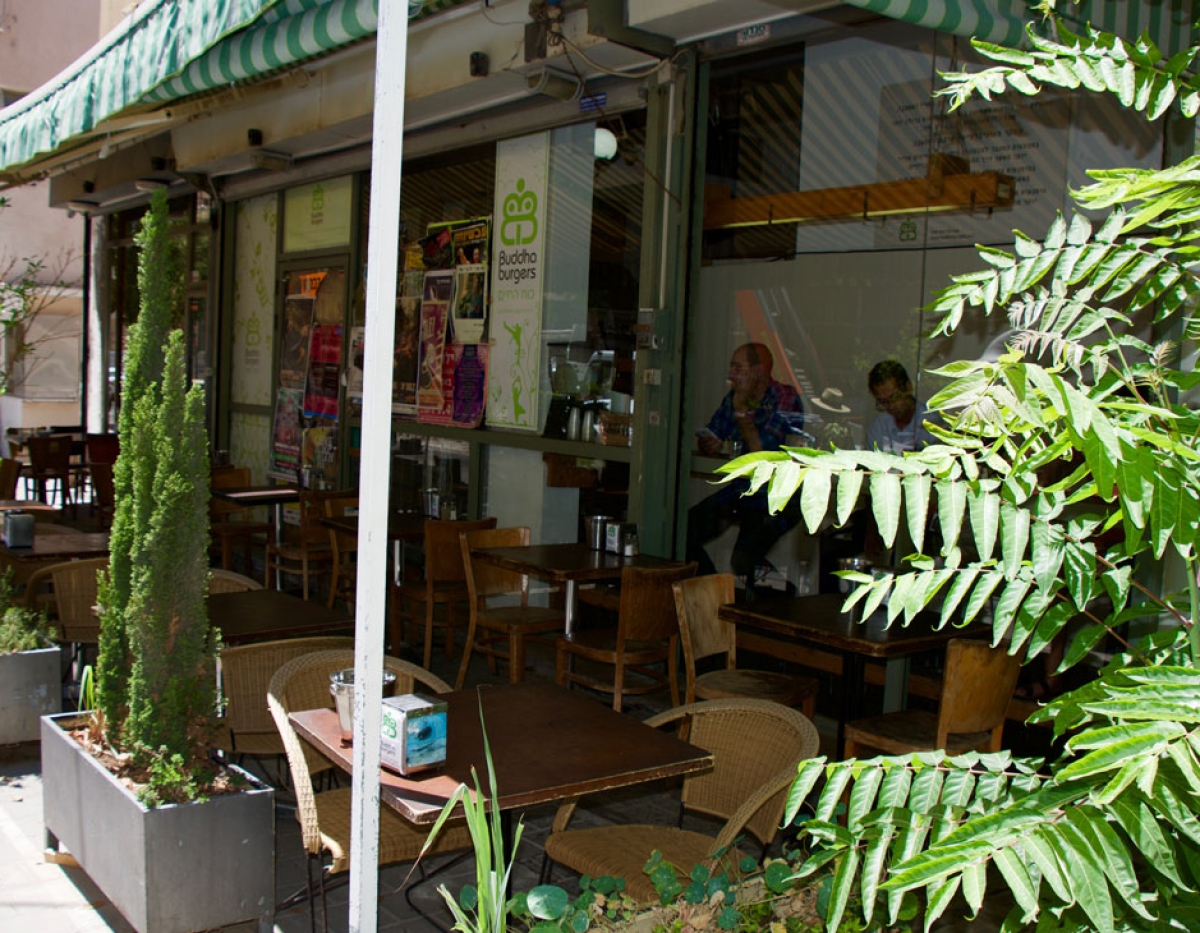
759,413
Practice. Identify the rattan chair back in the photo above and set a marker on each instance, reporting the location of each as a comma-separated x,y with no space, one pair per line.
230,581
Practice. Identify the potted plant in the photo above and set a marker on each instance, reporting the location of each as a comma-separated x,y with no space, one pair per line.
176,842
1065,470
30,668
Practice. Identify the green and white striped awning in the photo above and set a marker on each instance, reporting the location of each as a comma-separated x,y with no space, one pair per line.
171,49
1169,23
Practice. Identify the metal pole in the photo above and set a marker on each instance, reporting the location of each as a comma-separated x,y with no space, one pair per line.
391,52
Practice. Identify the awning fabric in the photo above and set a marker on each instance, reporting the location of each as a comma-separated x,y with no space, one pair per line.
1168,22
177,48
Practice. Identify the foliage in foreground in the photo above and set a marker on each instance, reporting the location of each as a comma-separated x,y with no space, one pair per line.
155,674
1066,475
21,628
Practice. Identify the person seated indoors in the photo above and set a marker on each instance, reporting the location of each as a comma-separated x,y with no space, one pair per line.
757,413
900,425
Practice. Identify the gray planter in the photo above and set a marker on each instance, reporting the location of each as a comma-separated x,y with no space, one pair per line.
30,688
173,869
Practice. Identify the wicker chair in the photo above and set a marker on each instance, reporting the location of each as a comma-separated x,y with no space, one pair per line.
647,633
977,685
704,635
445,582
303,683
67,592
230,581
756,747
247,727
508,624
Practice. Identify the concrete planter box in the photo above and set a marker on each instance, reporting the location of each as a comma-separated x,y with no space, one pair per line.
30,688
173,869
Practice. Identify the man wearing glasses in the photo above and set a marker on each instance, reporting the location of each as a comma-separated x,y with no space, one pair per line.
900,425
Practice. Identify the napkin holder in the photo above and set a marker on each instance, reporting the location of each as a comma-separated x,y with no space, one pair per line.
18,529
413,733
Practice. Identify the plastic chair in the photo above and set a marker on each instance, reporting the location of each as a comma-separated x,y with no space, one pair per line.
303,683
309,555
977,685
345,551
509,624
756,745
227,523
445,582
704,635
647,633
229,581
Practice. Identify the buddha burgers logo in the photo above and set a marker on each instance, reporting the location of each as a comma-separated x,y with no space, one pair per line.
518,228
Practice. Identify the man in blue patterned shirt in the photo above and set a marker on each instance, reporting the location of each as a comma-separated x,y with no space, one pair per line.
757,413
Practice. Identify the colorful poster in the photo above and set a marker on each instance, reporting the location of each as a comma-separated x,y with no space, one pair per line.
433,399
470,302
470,242
285,436
406,362
320,456
293,346
354,365
324,365
470,383
516,282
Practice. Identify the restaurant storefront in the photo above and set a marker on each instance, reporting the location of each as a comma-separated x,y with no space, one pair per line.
781,179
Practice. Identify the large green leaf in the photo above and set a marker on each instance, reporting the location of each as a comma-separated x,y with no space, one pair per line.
985,521
885,505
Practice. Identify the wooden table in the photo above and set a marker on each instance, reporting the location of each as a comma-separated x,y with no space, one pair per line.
250,496
786,627
26,505
264,615
568,564
52,549
547,745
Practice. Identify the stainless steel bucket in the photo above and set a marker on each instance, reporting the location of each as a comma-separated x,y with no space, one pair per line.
341,685
596,527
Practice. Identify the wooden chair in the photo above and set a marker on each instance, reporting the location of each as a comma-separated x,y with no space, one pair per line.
102,451
309,555
10,473
344,548
227,521
50,462
977,685
510,624
704,635
246,726
756,745
303,683
230,581
647,633
445,582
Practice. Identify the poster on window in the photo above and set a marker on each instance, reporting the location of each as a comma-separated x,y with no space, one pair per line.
324,365
470,302
354,364
432,392
319,455
286,436
405,364
293,346
470,384
516,288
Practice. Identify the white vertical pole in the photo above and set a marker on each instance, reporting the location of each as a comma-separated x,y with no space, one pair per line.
383,243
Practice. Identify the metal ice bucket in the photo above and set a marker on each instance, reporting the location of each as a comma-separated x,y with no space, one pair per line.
341,685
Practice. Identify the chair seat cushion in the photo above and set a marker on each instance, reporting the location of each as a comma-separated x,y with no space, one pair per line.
621,851
760,685
399,840
522,618
907,731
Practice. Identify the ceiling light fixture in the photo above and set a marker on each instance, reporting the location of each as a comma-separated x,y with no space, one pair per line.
604,145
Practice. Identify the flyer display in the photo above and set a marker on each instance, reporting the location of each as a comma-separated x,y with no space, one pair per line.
432,394
294,346
324,362
285,435
405,365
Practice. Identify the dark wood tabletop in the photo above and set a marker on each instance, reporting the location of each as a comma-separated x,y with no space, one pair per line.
820,620
404,527
564,563
47,548
264,615
547,745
